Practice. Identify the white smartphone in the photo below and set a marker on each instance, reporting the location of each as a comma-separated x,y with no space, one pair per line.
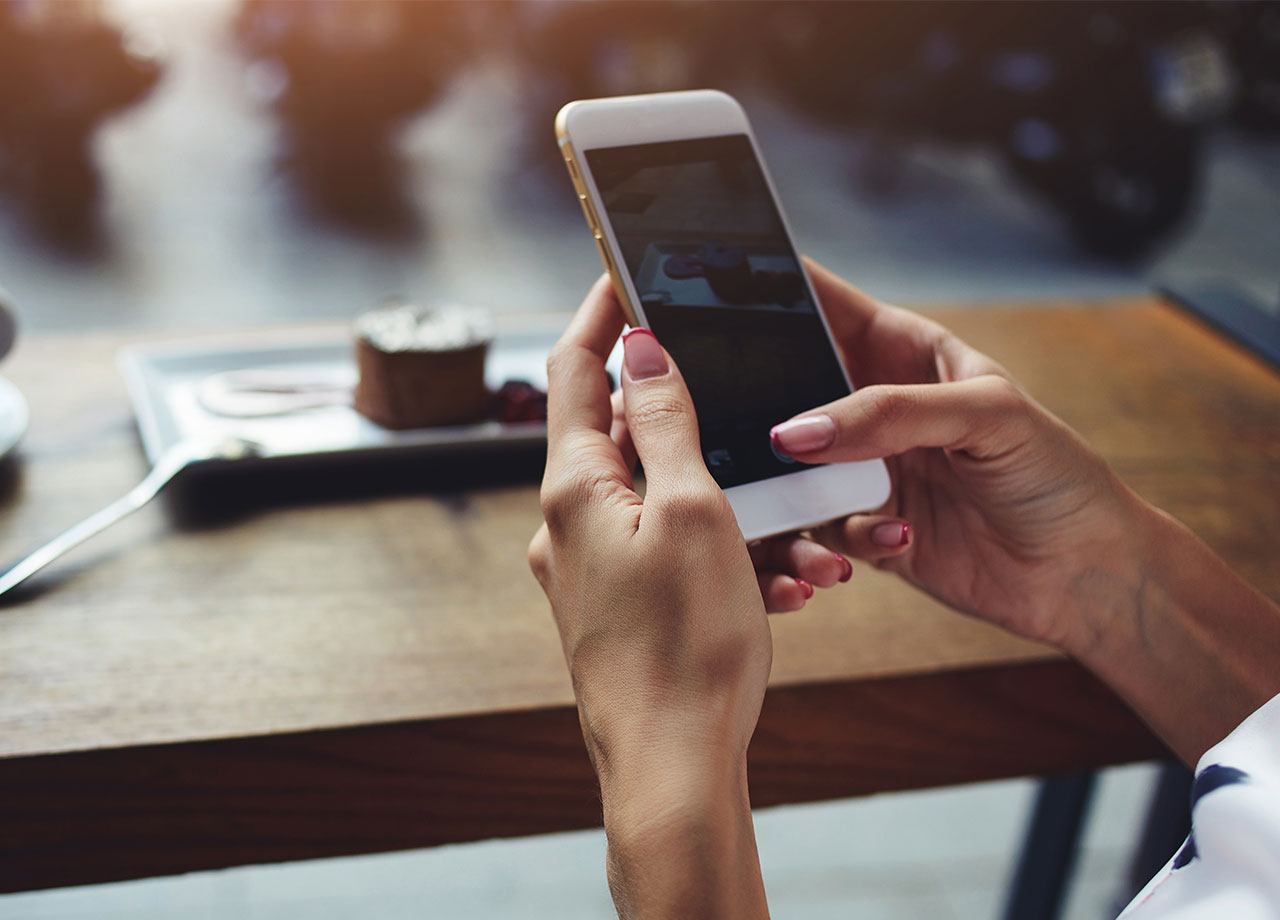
689,226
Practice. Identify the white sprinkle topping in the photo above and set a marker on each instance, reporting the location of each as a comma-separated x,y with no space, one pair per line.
408,327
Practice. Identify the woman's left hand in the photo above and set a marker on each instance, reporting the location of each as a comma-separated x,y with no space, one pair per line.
661,618
656,598
788,568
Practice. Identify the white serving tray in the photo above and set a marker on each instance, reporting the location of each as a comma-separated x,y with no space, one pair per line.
163,380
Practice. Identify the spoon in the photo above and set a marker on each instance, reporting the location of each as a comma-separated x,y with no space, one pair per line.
173,461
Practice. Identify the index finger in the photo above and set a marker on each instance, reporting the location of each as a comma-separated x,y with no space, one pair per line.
882,343
578,404
847,309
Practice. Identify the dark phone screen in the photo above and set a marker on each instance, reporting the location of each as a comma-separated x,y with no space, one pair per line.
721,287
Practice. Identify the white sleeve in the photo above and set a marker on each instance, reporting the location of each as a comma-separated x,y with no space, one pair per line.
1230,865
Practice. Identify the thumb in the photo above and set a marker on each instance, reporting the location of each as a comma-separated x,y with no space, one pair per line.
983,416
660,415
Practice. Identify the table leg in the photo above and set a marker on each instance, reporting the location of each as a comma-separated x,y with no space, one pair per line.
1166,828
1049,852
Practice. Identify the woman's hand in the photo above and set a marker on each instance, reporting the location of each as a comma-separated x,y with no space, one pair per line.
1017,520
662,621
787,567
1009,509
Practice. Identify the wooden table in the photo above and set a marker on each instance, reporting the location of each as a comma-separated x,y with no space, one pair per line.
343,659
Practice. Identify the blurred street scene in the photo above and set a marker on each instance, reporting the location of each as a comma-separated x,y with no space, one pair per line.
217,162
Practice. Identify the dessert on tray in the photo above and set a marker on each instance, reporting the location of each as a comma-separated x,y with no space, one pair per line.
421,367
415,368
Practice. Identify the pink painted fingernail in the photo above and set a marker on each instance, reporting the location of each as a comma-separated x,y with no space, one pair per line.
892,534
846,566
803,435
642,354
805,587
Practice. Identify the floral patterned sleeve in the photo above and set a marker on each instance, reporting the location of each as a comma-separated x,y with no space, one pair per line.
1230,865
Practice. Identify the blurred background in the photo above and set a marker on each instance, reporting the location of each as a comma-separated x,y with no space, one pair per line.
197,163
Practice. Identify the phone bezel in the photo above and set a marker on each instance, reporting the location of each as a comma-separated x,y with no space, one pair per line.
780,504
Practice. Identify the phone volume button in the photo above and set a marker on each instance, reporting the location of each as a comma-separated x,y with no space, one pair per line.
608,258
590,213
618,286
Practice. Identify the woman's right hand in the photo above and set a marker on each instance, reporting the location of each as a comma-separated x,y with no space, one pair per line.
1012,514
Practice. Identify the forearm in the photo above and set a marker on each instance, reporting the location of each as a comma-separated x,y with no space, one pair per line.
681,842
1180,637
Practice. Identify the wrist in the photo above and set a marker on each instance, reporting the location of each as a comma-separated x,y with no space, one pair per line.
681,842
1103,603
650,786
1186,642
636,734
649,791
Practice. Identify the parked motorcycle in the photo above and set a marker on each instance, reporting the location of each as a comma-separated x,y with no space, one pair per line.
1100,108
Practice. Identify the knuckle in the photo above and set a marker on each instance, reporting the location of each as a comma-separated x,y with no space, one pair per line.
937,337
697,509
557,502
658,412
1010,410
559,359
558,505
540,555
565,498
1002,395
884,406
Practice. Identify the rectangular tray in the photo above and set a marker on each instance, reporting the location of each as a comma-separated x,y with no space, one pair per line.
162,380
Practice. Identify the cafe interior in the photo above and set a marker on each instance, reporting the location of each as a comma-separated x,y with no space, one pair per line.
276,655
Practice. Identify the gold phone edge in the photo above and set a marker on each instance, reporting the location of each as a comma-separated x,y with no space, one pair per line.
588,211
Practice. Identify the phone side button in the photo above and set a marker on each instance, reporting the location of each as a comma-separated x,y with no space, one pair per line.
606,255
588,210
618,286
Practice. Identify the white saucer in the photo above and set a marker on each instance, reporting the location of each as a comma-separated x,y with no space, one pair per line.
13,417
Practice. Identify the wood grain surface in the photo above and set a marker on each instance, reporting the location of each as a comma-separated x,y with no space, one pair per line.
118,814
343,631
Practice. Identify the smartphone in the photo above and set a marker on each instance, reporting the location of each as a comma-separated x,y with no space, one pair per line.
689,227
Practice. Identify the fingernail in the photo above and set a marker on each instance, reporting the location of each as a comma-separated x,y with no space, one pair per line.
803,435
893,534
805,587
847,567
642,354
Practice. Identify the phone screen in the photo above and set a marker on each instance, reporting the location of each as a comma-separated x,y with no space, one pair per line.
720,285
